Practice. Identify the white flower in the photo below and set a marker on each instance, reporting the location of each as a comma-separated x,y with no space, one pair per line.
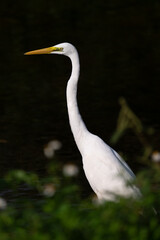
70,170
51,147
49,190
55,144
155,156
3,203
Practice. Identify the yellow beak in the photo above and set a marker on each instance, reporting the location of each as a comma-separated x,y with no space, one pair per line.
44,51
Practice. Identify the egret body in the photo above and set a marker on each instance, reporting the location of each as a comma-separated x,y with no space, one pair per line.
105,170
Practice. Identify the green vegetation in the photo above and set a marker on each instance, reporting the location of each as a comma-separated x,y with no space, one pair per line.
64,215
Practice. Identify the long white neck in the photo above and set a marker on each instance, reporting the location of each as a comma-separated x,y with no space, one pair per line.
78,127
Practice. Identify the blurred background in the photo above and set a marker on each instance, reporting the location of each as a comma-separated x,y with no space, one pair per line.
119,48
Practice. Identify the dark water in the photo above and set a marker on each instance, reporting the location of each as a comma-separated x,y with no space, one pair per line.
119,48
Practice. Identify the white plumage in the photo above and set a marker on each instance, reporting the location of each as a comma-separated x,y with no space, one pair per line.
105,170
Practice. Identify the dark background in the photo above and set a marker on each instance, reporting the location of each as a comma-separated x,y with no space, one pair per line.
119,47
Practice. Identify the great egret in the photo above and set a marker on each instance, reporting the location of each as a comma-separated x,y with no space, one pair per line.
105,170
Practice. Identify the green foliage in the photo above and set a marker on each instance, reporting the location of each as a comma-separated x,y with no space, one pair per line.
127,119
65,215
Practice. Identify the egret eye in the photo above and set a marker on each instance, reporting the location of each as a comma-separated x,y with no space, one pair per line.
59,49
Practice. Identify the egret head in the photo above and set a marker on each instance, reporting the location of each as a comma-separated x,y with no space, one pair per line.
62,48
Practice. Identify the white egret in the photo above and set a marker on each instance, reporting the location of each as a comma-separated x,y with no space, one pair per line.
105,170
